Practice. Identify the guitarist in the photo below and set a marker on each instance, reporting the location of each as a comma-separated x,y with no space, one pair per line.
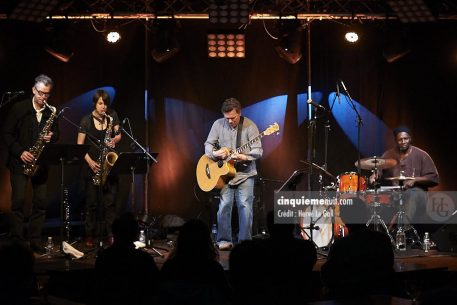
231,132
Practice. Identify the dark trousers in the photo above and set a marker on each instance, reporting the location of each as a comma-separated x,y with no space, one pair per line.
101,200
19,184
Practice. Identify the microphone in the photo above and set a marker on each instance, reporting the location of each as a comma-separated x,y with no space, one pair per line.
311,102
338,93
344,87
15,92
124,121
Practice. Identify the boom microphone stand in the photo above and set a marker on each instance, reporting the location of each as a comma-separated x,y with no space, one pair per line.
149,157
359,125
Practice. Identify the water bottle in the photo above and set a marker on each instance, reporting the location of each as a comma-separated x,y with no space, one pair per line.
142,237
400,240
426,243
214,232
49,247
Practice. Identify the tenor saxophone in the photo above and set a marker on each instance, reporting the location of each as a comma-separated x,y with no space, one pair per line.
31,168
107,158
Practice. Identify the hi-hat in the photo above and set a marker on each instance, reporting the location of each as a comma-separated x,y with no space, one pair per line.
400,178
376,162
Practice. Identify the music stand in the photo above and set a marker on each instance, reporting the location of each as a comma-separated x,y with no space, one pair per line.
63,154
134,163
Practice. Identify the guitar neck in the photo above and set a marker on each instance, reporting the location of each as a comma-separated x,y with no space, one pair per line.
255,139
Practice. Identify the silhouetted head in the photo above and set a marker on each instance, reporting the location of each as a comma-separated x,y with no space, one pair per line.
194,242
279,230
355,215
125,229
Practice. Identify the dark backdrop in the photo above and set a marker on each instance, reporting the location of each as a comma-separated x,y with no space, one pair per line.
185,94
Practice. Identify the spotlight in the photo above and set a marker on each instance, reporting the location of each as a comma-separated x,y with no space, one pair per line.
228,43
289,42
165,43
411,11
33,10
113,36
62,55
397,45
351,36
58,43
229,11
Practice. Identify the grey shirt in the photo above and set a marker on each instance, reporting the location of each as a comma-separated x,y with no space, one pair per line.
222,133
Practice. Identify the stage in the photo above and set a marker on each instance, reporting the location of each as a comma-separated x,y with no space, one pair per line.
71,279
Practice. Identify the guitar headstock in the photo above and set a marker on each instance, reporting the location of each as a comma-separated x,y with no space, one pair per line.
271,129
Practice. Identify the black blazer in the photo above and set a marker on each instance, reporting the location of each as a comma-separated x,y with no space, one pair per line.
21,131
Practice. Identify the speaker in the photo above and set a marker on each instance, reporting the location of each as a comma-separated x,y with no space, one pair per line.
446,238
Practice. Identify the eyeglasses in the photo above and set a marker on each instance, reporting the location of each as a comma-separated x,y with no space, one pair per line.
41,93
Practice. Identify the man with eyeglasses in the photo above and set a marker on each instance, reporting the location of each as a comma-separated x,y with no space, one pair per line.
22,127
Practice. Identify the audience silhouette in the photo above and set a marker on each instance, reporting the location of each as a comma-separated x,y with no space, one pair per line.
125,275
360,263
277,270
192,273
17,280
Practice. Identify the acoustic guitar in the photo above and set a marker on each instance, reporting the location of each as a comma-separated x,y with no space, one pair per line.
215,174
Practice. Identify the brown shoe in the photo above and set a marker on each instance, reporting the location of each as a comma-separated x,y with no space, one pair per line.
89,242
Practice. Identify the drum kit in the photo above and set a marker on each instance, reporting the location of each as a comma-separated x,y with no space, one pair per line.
351,185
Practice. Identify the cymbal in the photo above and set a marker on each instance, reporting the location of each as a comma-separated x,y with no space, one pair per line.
376,162
400,178
318,168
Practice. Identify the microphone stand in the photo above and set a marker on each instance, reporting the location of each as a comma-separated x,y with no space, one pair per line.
152,248
138,144
359,125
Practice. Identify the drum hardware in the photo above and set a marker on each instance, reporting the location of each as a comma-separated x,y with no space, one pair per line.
321,232
319,169
401,216
375,218
317,230
375,162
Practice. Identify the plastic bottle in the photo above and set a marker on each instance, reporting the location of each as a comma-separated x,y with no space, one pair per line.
400,240
142,237
426,243
214,232
49,247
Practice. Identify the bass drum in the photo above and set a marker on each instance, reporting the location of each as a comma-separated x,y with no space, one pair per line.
323,236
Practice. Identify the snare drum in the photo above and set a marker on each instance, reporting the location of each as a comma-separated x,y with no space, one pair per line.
347,183
381,197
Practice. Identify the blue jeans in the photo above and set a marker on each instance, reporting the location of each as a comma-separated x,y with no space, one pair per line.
243,194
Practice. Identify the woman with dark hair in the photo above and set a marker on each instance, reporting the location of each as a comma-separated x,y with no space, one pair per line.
102,124
192,273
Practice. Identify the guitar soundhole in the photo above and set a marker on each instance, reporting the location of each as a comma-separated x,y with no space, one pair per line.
220,163
207,172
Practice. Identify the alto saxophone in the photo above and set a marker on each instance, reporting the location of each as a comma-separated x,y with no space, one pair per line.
31,168
107,158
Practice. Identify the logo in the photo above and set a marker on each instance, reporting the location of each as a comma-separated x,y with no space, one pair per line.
440,206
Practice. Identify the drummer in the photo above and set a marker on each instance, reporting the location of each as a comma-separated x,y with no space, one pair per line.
413,163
